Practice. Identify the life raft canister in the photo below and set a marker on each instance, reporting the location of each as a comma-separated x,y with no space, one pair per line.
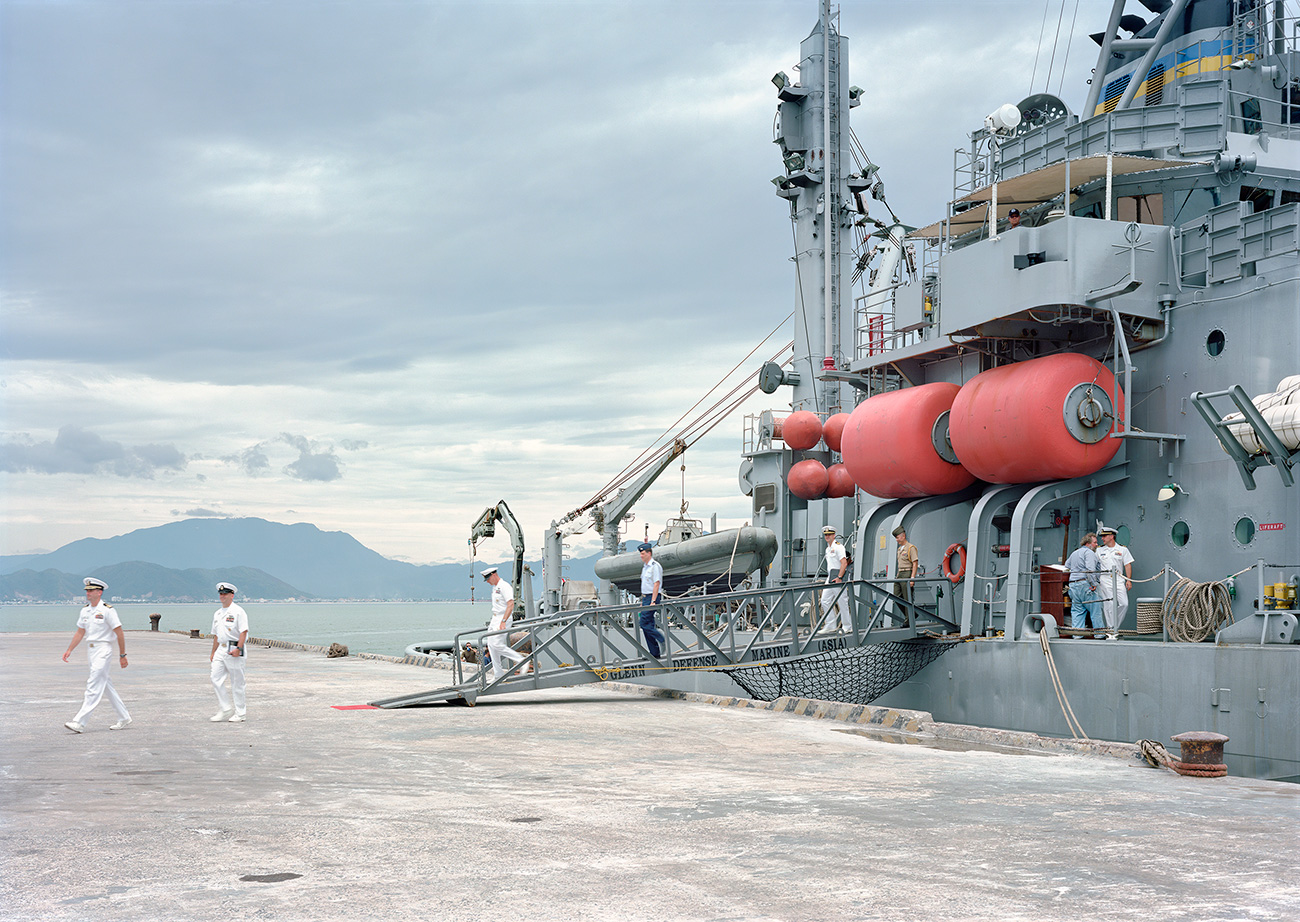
960,551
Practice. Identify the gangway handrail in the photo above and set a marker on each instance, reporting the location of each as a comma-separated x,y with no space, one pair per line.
701,632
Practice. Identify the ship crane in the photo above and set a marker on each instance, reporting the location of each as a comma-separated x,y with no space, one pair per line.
485,527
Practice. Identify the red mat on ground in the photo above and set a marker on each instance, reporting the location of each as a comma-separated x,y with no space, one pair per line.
354,707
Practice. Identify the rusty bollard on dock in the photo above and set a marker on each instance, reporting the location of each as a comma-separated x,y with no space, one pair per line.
1202,754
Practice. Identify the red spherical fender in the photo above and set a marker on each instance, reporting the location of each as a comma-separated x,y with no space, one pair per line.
808,479
1021,423
960,551
840,482
888,446
833,429
801,430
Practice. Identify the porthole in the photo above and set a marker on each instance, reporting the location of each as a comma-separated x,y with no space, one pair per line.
1179,534
1214,342
1245,530
1123,535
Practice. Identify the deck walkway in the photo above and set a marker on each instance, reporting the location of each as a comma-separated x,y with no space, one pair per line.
582,804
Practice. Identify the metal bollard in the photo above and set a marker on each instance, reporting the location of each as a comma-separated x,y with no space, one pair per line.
153,621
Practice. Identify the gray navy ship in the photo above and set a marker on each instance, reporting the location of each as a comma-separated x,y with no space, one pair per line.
1098,332
1121,352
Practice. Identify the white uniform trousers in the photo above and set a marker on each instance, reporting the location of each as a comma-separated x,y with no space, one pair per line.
101,654
1115,609
223,664
835,602
501,650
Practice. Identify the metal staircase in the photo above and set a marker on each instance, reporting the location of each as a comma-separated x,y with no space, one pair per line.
710,632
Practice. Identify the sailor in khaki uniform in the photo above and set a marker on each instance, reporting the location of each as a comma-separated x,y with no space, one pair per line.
229,634
99,625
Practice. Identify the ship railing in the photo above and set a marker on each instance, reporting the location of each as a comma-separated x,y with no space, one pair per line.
701,632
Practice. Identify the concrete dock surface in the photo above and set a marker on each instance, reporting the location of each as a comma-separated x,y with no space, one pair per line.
577,804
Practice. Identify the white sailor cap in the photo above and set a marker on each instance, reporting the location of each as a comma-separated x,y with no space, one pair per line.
225,587
92,583
488,572
1106,530
828,530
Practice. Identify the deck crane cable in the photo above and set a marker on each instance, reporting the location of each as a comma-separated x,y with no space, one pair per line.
659,444
647,455
720,410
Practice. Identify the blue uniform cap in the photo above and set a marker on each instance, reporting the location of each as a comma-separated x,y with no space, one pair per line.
645,546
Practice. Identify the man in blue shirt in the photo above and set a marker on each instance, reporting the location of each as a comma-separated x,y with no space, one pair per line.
652,582
1084,566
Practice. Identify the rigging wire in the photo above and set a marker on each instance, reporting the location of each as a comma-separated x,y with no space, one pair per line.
1060,86
1039,50
1055,44
798,272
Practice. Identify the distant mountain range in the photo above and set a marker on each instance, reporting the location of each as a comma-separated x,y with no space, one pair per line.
137,580
184,560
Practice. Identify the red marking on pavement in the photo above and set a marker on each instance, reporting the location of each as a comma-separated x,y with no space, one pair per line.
354,707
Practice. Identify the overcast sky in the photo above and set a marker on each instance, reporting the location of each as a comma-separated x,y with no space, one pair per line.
377,264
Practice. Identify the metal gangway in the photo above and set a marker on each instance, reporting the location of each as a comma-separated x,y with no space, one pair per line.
703,632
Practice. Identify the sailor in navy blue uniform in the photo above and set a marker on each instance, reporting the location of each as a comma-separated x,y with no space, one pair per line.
99,625
652,585
229,635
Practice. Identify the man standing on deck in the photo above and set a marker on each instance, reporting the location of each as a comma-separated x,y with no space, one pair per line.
1118,564
1084,567
835,597
503,606
652,585
229,638
909,563
98,623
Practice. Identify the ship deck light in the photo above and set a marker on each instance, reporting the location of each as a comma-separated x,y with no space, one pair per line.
1169,491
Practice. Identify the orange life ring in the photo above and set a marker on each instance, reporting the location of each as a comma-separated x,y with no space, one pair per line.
960,551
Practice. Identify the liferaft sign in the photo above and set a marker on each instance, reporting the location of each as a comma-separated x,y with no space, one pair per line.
1271,526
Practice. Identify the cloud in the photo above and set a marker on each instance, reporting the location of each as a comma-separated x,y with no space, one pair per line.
312,464
315,462
80,451
201,513
253,461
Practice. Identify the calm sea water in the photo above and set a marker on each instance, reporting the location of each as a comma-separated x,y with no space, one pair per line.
364,627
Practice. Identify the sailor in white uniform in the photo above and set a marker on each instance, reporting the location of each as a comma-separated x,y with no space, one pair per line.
503,606
835,597
1118,564
229,636
99,624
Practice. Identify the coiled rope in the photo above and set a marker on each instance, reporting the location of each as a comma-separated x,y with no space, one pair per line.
1192,611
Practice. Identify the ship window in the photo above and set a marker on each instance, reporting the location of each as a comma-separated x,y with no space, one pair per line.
765,498
1245,530
1123,535
1260,199
1214,342
1250,123
1179,534
1141,209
